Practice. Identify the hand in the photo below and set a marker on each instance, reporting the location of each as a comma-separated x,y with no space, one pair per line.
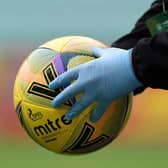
102,80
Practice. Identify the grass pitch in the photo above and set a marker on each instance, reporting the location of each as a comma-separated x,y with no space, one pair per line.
34,156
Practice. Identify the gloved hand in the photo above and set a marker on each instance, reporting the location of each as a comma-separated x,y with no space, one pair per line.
103,80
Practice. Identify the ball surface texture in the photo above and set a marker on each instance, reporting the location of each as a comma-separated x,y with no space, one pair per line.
47,125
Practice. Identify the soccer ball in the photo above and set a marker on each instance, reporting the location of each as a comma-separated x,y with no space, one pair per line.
47,125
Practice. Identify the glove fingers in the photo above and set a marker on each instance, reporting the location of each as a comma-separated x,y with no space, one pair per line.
66,94
98,51
64,78
98,111
79,107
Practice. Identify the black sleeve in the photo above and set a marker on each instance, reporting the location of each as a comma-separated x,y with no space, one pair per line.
140,29
150,61
148,52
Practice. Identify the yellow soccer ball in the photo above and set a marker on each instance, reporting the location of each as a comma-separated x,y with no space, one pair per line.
47,125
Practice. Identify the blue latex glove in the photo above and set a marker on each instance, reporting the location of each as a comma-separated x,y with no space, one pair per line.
103,80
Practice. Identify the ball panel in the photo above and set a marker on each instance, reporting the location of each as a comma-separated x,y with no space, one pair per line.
93,136
77,60
48,126
128,106
17,94
58,43
81,44
40,58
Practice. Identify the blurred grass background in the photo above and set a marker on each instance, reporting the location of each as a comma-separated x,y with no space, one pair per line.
27,24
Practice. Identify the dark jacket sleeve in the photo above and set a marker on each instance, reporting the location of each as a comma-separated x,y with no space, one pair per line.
149,53
150,61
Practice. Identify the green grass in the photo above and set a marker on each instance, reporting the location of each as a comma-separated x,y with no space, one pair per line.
34,156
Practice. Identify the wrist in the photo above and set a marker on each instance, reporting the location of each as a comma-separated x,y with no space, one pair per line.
128,63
